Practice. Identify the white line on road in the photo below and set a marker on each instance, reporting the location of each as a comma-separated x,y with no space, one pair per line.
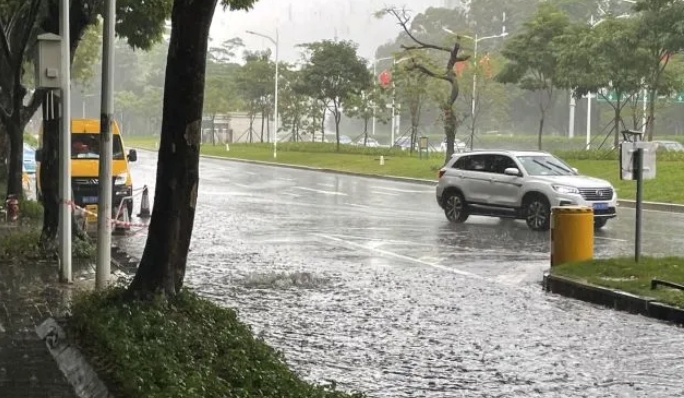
326,184
405,190
401,256
291,194
237,184
610,239
323,192
385,193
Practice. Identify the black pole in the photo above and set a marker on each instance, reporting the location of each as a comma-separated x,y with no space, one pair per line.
639,170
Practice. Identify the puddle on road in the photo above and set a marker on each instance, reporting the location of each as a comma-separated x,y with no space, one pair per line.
302,280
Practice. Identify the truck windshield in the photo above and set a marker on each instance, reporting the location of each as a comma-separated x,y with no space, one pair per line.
87,146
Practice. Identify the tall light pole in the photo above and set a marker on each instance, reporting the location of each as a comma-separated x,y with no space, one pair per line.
473,95
275,104
65,146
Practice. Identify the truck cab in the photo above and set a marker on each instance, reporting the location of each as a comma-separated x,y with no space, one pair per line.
85,155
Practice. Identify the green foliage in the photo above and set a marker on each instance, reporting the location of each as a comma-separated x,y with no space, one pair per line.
23,245
31,210
30,140
186,347
87,57
334,73
255,81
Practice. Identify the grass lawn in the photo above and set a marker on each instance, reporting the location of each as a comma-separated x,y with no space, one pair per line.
668,187
624,274
183,347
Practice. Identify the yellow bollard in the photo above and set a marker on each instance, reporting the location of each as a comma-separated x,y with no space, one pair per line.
572,234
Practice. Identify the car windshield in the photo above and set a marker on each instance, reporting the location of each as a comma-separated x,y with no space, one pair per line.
87,146
545,165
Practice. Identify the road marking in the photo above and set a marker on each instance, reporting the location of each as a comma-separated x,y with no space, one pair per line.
287,179
241,185
385,193
610,239
291,194
323,192
326,184
404,190
402,257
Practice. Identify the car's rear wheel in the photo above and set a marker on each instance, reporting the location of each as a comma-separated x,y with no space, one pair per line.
537,212
600,223
455,207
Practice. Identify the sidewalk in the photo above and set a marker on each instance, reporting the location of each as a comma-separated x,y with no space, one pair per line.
29,295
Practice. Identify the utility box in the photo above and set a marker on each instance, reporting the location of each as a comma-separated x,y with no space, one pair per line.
627,164
48,61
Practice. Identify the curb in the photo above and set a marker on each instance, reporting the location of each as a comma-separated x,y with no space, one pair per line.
611,298
630,204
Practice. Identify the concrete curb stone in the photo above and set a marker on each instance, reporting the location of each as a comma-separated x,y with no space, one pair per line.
612,298
651,206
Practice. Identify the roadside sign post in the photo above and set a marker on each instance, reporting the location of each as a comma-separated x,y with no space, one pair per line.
423,146
637,162
105,182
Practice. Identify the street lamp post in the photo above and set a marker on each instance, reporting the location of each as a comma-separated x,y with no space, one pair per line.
473,95
277,75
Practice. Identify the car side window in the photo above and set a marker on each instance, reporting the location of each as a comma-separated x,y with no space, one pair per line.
478,163
501,163
460,163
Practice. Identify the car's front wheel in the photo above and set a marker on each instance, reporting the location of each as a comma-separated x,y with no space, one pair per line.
600,223
537,212
455,207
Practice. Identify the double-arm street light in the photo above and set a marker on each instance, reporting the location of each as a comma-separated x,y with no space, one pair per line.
476,40
275,105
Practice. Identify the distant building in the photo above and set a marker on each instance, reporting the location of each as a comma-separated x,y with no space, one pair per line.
233,127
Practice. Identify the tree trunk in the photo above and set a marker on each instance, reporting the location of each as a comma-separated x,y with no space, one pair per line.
15,134
541,131
365,131
262,125
449,130
251,129
163,263
213,129
650,121
323,125
49,169
337,116
616,123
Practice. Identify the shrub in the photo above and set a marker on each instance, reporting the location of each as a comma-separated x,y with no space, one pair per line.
184,347
31,210
23,244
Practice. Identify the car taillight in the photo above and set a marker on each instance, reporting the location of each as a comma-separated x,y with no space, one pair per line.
441,173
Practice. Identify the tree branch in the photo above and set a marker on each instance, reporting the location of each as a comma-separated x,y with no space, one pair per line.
403,19
415,65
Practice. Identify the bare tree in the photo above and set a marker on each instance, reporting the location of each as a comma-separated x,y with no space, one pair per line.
448,76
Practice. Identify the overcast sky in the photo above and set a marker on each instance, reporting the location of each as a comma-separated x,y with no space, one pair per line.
300,21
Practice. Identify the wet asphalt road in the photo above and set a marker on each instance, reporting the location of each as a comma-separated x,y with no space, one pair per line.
365,282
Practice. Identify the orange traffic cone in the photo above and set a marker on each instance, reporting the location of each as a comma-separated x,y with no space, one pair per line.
145,204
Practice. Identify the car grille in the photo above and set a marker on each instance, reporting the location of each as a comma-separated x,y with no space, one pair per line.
596,194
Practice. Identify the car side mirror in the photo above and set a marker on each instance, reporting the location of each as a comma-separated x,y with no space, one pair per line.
38,155
512,171
132,155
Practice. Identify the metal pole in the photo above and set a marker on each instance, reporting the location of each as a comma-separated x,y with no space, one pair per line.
105,182
472,99
639,191
375,73
588,120
571,121
277,75
65,147
394,99
643,114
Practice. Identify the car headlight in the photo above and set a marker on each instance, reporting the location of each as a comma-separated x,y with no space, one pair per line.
120,179
565,189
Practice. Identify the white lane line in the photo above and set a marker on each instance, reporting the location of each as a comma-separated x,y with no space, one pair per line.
610,239
401,257
242,185
323,192
292,194
287,179
384,193
325,184
405,190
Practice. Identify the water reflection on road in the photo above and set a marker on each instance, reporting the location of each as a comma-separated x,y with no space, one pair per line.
363,281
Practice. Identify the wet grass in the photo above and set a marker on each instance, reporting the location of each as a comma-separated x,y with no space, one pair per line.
668,187
186,347
626,275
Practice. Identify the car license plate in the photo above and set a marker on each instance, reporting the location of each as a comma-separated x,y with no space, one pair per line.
89,199
600,206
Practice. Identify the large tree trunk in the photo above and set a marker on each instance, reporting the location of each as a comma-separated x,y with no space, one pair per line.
336,115
162,267
15,164
365,131
262,125
541,131
49,168
616,122
650,121
449,130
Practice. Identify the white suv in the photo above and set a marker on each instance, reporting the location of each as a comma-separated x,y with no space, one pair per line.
522,185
